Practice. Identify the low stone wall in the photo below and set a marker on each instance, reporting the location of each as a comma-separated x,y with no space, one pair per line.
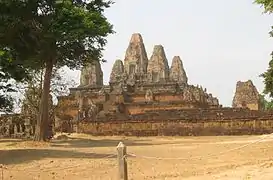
177,128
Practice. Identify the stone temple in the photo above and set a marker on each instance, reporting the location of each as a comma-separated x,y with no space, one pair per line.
147,97
137,84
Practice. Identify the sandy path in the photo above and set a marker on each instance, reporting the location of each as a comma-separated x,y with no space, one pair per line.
85,157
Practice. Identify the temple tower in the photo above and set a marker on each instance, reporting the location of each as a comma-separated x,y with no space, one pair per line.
92,75
158,68
177,71
136,60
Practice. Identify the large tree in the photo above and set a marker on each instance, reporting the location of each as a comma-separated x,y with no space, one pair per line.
268,74
52,33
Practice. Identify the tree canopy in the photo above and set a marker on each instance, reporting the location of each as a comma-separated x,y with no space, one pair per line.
37,34
9,71
267,4
68,31
268,74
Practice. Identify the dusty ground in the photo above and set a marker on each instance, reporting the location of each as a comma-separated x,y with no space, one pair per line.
83,157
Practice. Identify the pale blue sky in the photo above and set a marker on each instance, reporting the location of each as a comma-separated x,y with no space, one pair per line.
219,41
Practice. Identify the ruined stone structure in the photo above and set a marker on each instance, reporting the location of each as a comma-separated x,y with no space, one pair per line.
246,95
23,125
16,126
91,75
149,94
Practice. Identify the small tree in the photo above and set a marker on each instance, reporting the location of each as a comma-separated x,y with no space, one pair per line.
263,102
32,92
46,33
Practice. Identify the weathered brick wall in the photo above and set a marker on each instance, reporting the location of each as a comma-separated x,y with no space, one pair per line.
204,114
137,109
169,98
181,127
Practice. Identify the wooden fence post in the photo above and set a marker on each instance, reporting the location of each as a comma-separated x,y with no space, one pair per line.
122,162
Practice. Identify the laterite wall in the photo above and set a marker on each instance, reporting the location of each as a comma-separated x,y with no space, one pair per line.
181,128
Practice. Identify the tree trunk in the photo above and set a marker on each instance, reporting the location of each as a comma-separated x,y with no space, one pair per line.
42,121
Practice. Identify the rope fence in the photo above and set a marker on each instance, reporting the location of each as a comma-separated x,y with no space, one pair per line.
122,157
206,156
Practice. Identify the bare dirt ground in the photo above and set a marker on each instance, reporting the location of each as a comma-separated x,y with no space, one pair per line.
82,157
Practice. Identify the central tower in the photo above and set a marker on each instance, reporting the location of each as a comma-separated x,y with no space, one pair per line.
136,60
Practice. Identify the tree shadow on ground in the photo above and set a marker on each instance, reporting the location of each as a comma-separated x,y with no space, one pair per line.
28,154
85,143
17,156
6,140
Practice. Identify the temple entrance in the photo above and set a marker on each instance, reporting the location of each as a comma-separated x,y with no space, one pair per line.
132,69
155,76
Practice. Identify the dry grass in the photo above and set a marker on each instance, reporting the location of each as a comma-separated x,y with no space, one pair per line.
83,157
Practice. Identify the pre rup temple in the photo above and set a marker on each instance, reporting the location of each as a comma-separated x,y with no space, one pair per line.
145,96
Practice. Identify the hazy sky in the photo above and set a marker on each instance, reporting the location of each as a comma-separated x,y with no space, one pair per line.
220,41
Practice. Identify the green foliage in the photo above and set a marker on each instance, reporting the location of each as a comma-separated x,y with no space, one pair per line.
37,33
267,4
6,104
268,79
265,105
269,105
69,32
263,102
268,75
8,71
